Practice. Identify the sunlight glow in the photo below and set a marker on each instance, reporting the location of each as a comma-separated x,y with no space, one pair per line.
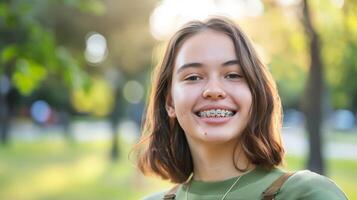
96,48
171,14
289,2
338,3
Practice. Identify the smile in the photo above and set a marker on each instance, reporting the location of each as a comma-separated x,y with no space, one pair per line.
215,113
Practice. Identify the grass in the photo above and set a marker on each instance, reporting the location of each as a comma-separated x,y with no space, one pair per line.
56,170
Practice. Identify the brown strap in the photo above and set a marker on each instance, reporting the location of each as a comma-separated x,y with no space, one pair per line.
171,194
270,192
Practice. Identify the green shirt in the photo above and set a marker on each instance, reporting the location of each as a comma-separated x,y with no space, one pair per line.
304,185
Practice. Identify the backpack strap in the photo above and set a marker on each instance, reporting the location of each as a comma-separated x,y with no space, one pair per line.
171,194
274,188
268,194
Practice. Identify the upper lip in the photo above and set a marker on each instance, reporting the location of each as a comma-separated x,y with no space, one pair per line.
211,107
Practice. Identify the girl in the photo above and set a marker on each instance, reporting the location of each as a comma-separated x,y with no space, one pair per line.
213,122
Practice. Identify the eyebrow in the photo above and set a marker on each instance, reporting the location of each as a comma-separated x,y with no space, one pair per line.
198,65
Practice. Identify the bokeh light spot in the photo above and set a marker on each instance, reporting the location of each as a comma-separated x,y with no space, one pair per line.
133,91
40,111
96,48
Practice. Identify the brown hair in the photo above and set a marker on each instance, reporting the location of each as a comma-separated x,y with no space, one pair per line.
167,153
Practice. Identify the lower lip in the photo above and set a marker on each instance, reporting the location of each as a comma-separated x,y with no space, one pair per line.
215,120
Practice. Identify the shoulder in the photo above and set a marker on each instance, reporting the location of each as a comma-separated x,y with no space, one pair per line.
155,196
309,185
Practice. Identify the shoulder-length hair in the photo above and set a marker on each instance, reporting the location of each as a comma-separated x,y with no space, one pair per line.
166,151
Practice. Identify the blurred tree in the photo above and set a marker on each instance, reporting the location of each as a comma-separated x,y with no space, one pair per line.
30,54
335,22
40,44
125,25
314,89
130,50
330,47
299,57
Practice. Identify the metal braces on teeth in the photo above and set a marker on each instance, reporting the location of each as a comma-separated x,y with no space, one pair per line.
215,113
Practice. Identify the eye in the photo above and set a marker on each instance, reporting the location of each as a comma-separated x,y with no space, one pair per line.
233,76
193,78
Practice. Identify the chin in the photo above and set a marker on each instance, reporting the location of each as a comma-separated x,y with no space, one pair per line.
216,137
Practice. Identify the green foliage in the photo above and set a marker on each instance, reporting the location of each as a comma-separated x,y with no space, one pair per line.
50,36
290,79
285,40
29,50
9,53
72,73
90,6
347,87
28,76
337,28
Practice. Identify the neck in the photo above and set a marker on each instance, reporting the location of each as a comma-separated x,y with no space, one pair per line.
216,163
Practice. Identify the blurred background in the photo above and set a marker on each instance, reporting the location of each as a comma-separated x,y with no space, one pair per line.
74,77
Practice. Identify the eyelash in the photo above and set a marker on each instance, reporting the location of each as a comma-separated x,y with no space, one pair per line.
193,78
229,76
235,76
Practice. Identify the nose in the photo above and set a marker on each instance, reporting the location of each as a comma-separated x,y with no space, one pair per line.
214,91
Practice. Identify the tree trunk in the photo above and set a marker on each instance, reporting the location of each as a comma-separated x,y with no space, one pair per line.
114,153
4,120
65,122
5,110
114,119
313,98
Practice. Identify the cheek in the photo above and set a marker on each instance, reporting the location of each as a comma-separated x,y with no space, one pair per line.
184,99
243,96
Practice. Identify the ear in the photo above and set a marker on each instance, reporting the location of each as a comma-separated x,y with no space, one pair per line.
170,108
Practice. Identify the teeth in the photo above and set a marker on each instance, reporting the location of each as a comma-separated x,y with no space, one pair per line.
216,113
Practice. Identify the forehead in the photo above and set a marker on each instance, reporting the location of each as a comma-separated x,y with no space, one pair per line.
206,46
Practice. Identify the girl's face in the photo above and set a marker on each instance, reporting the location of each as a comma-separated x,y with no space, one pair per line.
209,94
